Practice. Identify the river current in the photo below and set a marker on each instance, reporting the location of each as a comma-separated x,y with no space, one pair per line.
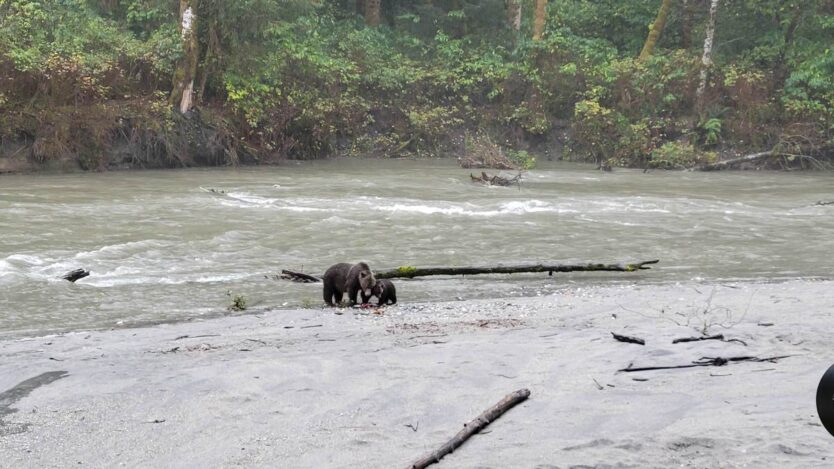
162,246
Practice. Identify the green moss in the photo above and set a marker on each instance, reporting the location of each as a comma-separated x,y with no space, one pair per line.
406,271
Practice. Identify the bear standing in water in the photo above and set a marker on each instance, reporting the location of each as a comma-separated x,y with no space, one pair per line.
384,290
347,278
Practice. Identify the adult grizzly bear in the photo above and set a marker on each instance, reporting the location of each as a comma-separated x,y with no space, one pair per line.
347,278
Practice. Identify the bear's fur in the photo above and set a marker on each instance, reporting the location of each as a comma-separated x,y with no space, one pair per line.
347,278
384,290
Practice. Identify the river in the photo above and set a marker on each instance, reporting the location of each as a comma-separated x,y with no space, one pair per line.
162,247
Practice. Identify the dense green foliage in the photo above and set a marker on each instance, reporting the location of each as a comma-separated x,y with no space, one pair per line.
89,80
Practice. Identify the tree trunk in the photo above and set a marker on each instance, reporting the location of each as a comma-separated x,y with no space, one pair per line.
686,25
372,13
539,22
780,72
706,59
182,96
360,7
514,14
656,30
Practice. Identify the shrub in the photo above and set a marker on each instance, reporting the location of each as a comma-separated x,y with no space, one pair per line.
679,155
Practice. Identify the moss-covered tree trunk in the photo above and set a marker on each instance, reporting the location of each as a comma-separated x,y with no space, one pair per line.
182,96
656,30
539,20
514,14
706,58
372,13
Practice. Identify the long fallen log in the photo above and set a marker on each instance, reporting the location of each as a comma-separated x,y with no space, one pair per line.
411,272
472,428
744,159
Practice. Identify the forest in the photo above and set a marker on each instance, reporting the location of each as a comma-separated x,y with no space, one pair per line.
103,84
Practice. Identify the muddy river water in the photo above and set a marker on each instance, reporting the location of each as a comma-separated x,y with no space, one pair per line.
162,246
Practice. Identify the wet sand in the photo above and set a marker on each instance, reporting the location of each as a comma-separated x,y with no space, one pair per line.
310,388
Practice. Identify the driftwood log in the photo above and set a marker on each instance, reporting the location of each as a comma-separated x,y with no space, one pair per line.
411,272
299,277
472,428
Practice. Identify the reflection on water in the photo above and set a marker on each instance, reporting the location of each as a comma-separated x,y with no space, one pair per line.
162,246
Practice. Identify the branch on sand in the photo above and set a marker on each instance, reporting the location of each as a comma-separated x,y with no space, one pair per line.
706,361
472,428
628,339
708,337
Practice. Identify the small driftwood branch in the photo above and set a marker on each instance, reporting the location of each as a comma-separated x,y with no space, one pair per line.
496,180
76,274
823,202
298,277
472,428
706,361
696,339
709,337
629,339
411,272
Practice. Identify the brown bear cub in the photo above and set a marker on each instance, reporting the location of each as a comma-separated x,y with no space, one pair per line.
347,278
384,290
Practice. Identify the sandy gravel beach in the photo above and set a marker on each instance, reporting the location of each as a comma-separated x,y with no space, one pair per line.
310,388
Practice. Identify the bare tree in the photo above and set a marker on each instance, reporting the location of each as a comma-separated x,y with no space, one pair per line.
183,93
706,59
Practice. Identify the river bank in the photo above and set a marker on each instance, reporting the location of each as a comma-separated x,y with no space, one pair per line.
314,388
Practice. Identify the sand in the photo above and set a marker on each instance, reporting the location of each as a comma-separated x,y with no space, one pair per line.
310,388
